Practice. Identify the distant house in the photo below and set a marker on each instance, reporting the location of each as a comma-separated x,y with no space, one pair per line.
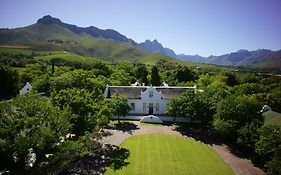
147,100
27,87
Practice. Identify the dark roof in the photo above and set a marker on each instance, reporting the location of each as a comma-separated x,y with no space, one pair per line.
134,92
127,91
170,92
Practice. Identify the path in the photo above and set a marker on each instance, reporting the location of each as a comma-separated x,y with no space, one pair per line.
240,166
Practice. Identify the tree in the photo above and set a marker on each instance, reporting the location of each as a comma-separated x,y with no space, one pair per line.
80,103
194,106
120,106
231,78
31,128
269,148
233,113
248,136
183,74
141,73
42,83
248,78
9,82
155,78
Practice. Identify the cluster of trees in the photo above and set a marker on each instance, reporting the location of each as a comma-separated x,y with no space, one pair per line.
231,105
34,139
46,134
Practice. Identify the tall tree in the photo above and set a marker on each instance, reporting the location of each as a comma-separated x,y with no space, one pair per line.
269,147
31,128
195,106
80,103
155,77
120,106
141,73
183,74
9,82
233,113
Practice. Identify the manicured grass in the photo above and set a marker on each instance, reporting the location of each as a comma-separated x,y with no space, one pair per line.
168,154
113,122
271,117
150,124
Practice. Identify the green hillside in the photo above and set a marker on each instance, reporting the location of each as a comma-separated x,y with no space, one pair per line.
151,59
54,37
271,117
69,56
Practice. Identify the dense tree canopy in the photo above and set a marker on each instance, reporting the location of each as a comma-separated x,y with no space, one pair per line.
31,128
195,106
120,106
141,73
269,147
9,82
184,74
155,77
233,113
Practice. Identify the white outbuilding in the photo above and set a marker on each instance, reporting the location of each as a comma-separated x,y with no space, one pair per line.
27,87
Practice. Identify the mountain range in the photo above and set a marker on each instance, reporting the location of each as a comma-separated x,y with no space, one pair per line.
257,58
50,33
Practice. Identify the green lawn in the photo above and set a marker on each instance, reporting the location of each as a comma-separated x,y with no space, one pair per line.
271,117
168,154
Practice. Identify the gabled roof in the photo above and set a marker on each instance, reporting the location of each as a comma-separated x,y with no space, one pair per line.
131,92
134,92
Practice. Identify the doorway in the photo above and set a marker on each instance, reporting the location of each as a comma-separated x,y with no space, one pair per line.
150,108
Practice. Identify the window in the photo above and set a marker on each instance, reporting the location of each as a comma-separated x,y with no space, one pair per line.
150,94
157,106
133,106
144,106
27,89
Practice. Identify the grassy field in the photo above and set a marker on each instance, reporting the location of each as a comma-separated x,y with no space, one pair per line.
70,57
271,117
168,154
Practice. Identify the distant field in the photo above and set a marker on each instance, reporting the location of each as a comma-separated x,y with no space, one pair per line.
14,50
271,117
152,154
70,57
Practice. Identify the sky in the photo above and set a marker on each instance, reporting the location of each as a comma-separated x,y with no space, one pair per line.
204,27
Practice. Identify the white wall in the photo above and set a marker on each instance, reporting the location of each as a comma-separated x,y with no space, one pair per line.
26,89
139,106
146,98
164,119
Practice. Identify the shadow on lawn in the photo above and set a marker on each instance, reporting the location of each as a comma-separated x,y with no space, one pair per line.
108,156
124,127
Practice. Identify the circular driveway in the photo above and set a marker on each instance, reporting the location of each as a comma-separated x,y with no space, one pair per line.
240,166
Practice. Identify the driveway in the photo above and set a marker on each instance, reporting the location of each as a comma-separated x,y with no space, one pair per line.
116,136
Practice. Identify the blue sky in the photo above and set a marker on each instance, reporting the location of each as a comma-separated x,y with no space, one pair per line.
204,27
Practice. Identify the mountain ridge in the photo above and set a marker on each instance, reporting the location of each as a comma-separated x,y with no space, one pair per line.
242,57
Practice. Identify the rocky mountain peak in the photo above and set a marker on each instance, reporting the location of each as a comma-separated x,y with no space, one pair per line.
48,19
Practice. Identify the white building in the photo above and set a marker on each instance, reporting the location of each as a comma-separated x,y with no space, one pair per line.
26,88
147,100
